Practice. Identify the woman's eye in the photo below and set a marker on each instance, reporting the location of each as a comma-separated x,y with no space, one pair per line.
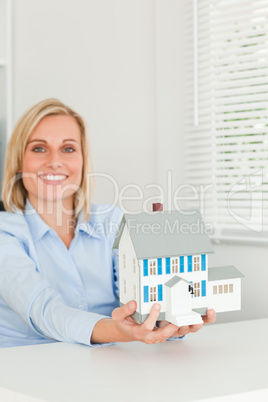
38,149
69,149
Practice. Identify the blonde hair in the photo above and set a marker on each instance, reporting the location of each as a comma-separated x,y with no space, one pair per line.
14,194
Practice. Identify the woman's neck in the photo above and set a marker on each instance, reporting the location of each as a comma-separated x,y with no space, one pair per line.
59,216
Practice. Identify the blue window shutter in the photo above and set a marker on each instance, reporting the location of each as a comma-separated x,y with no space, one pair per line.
146,294
159,266
204,288
203,262
190,263
181,264
145,267
160,292
168,265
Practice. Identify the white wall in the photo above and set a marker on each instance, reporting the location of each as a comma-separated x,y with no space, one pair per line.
119,63
169,90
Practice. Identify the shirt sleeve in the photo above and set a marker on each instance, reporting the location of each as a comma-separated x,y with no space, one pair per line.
26,292
173,338
116,271
116,218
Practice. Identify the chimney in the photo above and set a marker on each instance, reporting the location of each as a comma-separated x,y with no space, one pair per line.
157,206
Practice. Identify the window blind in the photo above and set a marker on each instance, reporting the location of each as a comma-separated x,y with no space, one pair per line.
226,123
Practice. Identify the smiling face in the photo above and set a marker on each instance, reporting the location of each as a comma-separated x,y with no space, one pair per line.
53,161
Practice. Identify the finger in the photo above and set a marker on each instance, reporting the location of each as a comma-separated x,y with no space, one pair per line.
195,328
162,324
120,313
130,320
150,321
158,335
210,318
168,331
184,330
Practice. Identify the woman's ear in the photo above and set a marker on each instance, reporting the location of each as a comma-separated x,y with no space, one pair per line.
19,174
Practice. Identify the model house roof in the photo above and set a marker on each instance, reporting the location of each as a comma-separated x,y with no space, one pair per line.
173,281
165,234
221,273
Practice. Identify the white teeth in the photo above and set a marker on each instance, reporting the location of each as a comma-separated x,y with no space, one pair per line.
55,177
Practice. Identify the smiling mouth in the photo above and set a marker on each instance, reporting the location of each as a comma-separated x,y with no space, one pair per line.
53,178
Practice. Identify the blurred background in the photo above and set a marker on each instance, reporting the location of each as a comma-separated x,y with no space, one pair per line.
174,94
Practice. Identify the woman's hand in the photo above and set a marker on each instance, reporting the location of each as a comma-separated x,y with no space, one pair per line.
210,318
123,328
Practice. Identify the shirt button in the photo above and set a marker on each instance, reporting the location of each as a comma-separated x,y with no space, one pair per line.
81,307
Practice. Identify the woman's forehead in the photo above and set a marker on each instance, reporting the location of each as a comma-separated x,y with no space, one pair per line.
57,127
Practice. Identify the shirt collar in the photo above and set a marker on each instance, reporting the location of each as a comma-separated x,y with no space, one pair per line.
39,228
90,228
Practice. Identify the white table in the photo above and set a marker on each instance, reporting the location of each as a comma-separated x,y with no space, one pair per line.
225,362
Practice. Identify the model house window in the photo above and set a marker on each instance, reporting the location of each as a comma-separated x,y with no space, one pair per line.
226,143
197,289
196,263
153,293
134,292
152,267
221,289
134,265
175,265
124,261
200,289
125,286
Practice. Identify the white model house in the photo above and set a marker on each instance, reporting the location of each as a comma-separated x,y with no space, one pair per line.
163,257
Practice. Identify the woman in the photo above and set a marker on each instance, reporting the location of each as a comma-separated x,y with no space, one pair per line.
58,276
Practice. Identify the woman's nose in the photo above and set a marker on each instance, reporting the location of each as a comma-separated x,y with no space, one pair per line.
54,164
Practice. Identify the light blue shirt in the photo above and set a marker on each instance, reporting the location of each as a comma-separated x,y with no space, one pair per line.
49,292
